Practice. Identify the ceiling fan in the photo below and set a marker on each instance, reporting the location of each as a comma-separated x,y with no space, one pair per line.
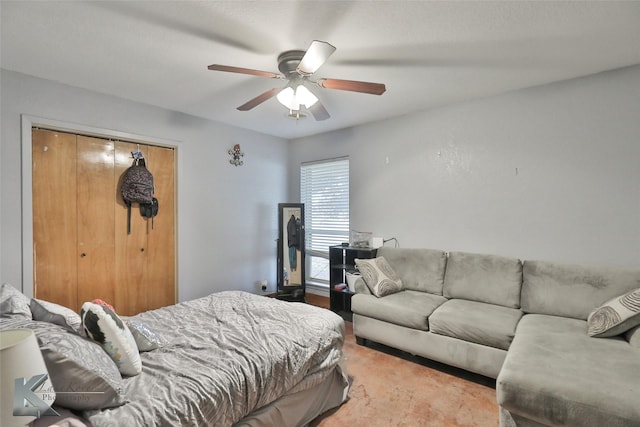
297,67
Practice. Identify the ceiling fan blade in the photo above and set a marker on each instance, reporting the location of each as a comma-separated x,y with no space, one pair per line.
314,57
230,69
319,112
259,99
353,86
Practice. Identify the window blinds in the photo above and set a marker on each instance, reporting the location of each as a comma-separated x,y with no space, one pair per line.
324,190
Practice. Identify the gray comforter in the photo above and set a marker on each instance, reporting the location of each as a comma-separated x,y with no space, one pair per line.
228,354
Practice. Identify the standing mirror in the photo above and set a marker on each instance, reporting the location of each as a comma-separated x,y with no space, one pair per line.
291,273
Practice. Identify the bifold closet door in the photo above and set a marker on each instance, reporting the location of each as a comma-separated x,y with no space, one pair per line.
55,220
81,247
96,211
73,218
161,278
145,258
132,250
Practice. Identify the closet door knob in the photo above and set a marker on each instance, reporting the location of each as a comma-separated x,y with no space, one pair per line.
141,249
83,254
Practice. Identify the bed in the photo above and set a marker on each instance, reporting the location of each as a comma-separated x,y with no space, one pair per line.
228,359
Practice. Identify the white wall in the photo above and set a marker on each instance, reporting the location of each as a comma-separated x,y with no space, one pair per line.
450,183
551,172
227,215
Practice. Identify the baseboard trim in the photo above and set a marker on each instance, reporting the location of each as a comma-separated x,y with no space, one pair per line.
317,290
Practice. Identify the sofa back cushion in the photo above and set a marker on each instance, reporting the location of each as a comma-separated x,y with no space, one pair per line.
485,278
572,290
419,269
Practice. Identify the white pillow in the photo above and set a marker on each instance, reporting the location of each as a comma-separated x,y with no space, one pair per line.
615,316
379,276
103,325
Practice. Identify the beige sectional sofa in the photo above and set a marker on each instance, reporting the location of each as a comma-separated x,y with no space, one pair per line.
522,323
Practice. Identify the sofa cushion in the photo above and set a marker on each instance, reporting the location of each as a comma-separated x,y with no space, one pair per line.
485,278
379,276
553,288
406,308
616,316
555,374
478,322
419,269
633,336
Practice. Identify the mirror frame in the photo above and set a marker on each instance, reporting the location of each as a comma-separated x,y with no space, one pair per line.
291,271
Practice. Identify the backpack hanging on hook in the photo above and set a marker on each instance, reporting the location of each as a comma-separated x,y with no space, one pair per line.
137,187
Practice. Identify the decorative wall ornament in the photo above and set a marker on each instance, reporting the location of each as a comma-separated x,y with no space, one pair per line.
236,154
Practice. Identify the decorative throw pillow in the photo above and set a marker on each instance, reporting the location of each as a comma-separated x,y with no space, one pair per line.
82,374
379,276
360,287
104,303
13,302
105,327
146,338
46,311
615,316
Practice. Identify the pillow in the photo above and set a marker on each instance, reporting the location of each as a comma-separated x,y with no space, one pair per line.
379,276
615,316
13,302
105,327
46,311
360,287
146,338
82,374
106,304
633,336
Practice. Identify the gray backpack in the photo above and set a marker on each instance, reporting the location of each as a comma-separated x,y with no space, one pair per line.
137,187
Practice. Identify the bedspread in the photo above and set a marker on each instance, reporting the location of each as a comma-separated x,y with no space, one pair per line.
228,354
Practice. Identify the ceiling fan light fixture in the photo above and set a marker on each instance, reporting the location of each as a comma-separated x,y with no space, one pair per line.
286,98
297,66
296,115
294,98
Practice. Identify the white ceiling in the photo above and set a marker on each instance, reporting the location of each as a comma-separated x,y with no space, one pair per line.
428,53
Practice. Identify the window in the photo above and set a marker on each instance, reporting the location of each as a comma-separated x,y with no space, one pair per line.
324,190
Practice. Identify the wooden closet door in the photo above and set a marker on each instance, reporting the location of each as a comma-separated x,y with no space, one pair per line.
96,190
81,247
161,240
54,217
131,249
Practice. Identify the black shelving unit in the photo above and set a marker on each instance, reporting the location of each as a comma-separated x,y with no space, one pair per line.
341,262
